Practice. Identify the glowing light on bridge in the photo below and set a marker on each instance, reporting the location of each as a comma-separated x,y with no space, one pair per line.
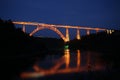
23,29
66,37
110,31
88,32
78,34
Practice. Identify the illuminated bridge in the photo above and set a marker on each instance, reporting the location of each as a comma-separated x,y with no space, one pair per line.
66,38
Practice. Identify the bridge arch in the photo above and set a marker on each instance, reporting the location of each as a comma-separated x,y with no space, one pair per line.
50,28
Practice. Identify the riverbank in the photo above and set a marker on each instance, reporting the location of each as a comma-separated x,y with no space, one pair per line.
17,50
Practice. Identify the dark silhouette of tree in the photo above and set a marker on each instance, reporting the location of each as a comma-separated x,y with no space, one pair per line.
17,49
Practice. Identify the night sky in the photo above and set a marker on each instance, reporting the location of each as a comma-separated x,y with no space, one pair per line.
92,13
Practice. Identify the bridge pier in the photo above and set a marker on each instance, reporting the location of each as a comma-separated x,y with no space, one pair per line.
78,34
88,32
67,35
23,28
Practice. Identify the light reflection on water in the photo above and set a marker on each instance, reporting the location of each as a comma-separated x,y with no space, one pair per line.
70,62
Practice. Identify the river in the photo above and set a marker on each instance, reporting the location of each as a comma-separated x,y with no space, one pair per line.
73,65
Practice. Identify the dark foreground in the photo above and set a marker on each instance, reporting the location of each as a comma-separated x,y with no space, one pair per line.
96,75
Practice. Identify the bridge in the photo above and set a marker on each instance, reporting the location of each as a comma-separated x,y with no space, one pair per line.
53,27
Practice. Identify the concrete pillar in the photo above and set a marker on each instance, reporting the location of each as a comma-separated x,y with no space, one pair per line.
23,28
78,34
67,35
88,32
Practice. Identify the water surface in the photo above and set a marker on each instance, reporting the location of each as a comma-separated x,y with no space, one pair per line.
58,67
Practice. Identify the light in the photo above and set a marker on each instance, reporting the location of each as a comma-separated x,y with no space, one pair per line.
110,31
66,47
